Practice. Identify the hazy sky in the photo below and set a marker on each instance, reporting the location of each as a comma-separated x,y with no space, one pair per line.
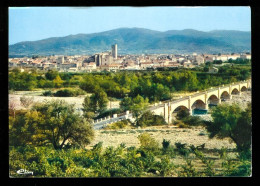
35,23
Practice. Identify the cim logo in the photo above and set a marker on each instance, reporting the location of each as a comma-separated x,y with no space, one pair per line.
24,172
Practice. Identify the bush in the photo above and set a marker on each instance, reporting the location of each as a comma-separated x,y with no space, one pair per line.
47,93
148,119
193,120
26,101
147,142
180,124
69,92
181,148
182,114
118,125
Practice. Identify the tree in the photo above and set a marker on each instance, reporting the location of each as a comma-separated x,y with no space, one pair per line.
53,122
99,101
57,81
138,106
88,110
149,119
26,101
147,142
231,121
126,103
243,130
183,113
51,74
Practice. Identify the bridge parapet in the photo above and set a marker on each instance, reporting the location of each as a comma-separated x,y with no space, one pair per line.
197,94
212,90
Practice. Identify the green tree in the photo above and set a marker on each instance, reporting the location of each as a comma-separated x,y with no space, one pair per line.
149,119
57,81
231,121
99,101
183,113
139,104
53,122
148,142
126,103
51,74
88,108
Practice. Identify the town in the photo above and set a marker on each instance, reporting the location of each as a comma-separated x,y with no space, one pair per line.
112,62
129,91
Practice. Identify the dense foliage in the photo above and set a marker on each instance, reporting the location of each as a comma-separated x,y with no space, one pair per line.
155,86
233,122
149,160
54,123
149,119
69,92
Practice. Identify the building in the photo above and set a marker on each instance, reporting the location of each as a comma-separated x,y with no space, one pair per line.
60,60
199,60
104,58
110,67
245,56
114,51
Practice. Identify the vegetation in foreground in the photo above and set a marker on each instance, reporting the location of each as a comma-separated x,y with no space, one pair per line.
49,140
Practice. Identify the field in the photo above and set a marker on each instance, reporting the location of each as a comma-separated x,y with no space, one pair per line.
37,97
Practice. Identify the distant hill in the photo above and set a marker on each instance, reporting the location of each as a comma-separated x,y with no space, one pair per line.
138,41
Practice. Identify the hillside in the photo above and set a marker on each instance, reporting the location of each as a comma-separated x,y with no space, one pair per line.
138,41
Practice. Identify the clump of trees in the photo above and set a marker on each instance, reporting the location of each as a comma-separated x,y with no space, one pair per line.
95,105
185,120
69,92
233,122
149,119
155,86
54,123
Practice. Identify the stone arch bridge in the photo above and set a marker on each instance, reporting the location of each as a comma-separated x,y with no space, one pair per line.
199,100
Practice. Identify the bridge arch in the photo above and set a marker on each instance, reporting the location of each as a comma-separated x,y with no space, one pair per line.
243,88
213,100
198,104
177,110
224,95
235,91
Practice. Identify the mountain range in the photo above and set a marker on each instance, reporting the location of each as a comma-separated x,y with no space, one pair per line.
138,41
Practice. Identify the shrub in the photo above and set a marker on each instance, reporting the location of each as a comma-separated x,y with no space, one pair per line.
148,142
181,148
26,101
47,93
118,125
148,119
69,92
180,124
182,114
165,144
193,120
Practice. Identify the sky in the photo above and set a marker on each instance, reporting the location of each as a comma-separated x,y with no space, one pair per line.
36,23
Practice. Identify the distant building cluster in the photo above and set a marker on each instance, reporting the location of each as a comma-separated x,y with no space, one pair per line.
111,61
